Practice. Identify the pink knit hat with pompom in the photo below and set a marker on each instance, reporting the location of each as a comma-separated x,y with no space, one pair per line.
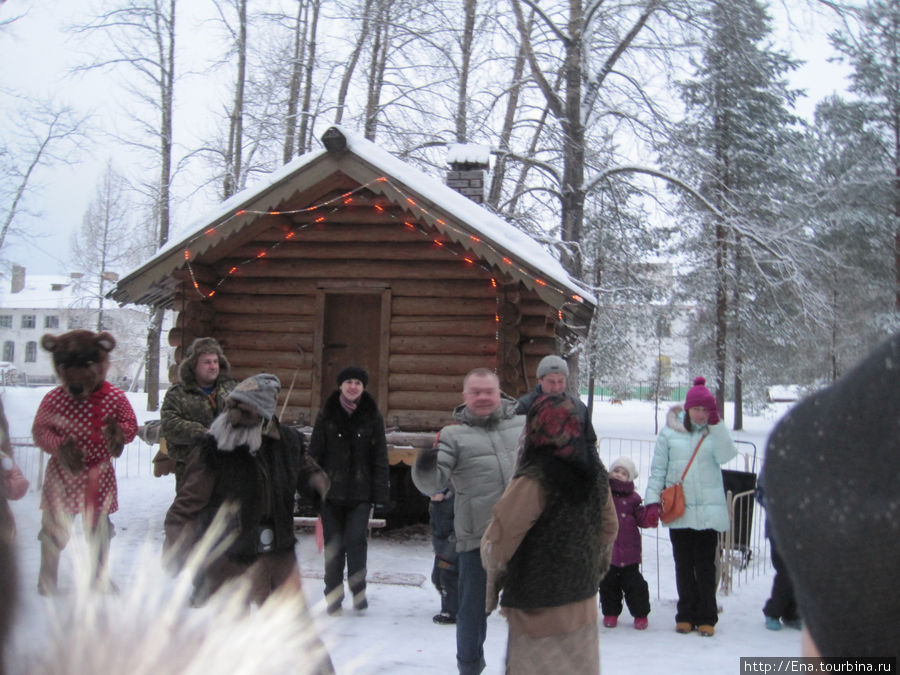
699,396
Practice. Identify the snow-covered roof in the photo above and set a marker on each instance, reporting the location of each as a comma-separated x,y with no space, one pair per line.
41,291
469,224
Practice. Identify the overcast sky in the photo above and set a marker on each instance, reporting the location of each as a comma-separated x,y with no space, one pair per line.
37,54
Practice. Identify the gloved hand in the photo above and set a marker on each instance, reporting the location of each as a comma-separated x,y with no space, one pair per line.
427,459
70,455
112,433
163,465
651,512
713,415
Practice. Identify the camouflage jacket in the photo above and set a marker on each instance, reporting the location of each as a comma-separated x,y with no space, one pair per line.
187,413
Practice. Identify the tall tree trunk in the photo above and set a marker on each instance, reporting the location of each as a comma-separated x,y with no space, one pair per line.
377,65
462,93
290,122
233,156
573,145
353,61
509,119
167,89
737,340
303,137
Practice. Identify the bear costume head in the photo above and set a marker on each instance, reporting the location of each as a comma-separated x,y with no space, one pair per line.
81,359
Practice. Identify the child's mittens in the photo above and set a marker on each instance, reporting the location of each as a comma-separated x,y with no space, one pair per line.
713,416
651,512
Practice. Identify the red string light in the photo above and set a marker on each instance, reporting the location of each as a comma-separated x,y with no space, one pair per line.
346,199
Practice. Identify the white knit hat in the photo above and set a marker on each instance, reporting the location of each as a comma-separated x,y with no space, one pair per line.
626,464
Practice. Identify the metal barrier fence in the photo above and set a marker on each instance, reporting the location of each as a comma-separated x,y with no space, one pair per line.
136,460
743,550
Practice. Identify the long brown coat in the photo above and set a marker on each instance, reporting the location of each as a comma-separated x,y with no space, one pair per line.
552,639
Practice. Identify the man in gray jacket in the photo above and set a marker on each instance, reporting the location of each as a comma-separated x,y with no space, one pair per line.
478,455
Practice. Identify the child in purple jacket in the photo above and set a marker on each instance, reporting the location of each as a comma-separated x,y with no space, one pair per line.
624,576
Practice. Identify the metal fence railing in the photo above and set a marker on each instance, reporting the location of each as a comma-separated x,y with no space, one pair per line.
640,390
743,550
136,460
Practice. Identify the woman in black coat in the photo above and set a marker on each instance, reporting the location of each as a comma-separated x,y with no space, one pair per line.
348,443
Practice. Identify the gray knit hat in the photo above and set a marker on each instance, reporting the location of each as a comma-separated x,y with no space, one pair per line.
259,391
552,364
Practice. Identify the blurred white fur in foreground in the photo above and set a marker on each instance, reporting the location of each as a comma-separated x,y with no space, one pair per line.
149,628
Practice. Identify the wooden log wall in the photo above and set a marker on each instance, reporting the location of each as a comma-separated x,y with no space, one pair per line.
447,316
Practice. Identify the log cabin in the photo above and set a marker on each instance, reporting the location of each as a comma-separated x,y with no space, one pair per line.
348,255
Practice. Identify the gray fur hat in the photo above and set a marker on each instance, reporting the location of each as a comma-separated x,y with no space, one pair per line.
552,364
259,391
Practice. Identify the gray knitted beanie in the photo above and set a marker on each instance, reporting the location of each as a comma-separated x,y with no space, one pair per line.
552,364
259,391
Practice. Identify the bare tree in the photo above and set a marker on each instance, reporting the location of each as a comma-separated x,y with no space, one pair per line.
567,35
235,141
110,240
140,37
37,135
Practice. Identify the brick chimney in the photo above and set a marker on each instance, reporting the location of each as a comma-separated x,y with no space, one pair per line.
468,164
18,278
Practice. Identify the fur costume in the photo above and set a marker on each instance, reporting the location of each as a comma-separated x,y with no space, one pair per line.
82,424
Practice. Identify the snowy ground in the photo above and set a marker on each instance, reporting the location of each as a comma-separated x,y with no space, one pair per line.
396,634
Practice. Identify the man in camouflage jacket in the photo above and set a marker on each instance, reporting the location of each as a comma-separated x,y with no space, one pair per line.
191,404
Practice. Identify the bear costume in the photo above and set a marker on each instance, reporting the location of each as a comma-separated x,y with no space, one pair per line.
82,424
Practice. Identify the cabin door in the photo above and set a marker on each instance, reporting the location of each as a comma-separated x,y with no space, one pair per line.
354,331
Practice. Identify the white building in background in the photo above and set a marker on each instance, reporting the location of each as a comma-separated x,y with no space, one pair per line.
55,303
666,342
668,346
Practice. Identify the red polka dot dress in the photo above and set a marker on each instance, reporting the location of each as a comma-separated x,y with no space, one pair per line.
60,416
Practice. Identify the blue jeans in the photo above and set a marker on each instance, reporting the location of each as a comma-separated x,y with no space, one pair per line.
471,618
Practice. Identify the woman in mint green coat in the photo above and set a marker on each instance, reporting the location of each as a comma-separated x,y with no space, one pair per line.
694,535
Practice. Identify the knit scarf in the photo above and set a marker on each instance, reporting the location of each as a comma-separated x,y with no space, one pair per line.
348,405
